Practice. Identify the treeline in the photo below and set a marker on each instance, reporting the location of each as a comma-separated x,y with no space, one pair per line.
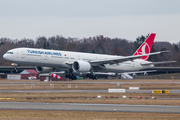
97,44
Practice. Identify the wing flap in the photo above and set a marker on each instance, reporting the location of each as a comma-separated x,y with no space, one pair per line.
156,63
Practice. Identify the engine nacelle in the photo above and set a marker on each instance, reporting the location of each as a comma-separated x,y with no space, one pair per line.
44,69
81,66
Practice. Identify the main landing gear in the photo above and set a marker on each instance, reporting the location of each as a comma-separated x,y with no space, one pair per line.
70,75
91,76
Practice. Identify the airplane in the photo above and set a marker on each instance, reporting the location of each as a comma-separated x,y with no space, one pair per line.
49,60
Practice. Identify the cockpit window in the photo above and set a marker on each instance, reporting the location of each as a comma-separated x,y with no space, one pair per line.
9,53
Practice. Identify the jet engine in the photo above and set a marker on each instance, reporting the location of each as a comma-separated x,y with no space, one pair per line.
44,69
81,66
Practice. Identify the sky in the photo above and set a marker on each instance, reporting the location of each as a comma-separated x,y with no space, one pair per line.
125,19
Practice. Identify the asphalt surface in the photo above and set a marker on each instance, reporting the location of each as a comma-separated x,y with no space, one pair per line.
90,107
72,82
81,91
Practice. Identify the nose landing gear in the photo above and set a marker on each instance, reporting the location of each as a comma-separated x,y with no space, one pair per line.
15,66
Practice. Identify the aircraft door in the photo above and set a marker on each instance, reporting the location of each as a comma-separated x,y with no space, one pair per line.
133,65
45,57
17,55
78,57
23,55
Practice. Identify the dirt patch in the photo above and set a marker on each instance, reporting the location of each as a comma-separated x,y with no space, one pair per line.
107,98
113,98
60,85
82,115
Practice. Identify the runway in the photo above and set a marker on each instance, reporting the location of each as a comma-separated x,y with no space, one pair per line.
81,91
90,107
72,82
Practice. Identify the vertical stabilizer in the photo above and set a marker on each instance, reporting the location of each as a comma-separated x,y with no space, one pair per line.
146,46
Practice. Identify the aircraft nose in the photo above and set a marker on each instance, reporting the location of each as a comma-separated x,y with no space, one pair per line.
5,56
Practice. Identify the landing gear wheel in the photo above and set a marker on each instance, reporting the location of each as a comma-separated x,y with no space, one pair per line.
67,76
91,76
71,76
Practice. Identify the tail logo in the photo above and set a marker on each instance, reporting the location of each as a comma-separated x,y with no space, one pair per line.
145,49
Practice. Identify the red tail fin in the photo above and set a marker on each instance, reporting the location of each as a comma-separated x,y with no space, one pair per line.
145,48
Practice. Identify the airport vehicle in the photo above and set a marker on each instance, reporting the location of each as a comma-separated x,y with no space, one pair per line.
49,60
31,78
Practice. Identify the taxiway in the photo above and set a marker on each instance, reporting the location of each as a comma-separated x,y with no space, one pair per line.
81,91
90,107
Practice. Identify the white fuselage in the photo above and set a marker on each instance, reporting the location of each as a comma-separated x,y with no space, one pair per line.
59,59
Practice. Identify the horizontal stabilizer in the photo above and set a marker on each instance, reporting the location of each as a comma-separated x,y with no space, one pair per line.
156,63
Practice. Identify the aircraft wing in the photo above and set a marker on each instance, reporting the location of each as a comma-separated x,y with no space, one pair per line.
156,63
120,59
